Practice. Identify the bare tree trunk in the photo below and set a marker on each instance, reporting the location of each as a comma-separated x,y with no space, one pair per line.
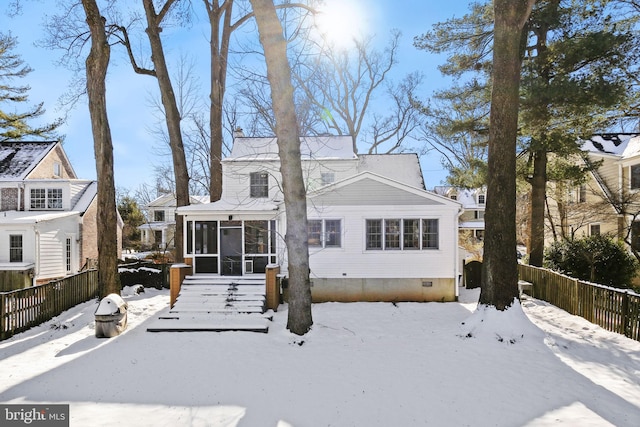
295,198
172,115
219,50
538,195
97,63
499,285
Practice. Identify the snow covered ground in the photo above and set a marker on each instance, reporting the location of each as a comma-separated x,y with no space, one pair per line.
363,364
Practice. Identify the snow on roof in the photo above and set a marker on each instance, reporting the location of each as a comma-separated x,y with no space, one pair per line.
610,143
88,194
17,159
468,197
33,217
231,205
311,147
404,168
169,200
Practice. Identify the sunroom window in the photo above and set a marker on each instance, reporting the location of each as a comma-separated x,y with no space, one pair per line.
326,233
401,234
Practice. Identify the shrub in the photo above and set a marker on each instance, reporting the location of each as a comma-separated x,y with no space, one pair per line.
598,259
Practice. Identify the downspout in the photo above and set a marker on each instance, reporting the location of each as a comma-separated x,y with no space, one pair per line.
458,276
37,260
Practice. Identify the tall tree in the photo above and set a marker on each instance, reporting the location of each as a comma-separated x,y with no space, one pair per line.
160,71
295,199
335,91
574,79
97,63
500,267
222,25
15,125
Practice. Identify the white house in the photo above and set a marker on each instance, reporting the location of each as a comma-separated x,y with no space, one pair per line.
159,231
47,215
375,233
474,203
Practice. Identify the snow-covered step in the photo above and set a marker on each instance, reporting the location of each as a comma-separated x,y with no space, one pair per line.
217,303
228,310
221,297
213,323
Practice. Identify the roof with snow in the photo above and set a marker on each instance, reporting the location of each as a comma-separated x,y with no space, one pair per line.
468,197
18,159
617,144
168,200
311,147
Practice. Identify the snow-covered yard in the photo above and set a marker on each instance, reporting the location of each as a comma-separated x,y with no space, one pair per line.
363,364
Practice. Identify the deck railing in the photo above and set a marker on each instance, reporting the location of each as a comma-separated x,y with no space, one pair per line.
617,310
25,308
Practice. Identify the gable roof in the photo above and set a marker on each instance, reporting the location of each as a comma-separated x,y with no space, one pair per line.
311,147
168,200
18,159
617,144
402,167
367,188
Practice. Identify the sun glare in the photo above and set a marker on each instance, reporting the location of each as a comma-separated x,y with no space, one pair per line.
341,21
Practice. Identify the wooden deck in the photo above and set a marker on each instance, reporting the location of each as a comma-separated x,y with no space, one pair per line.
216,304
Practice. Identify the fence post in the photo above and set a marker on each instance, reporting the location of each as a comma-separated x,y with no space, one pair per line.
177,274
272,288
626,319
3,318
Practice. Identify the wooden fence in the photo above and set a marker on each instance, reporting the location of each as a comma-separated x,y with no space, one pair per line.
25,308
617,310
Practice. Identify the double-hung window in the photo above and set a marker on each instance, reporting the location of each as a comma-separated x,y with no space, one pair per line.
259,184
430,234
325,233
401,234
15,248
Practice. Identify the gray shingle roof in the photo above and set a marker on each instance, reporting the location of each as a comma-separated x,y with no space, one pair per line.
17,159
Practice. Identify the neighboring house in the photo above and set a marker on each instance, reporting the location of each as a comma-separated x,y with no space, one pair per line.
473,202
375,233
609,201
47,215
159,232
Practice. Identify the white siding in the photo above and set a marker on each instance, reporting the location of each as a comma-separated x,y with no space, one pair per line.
353,260
52,250
28,243
236,175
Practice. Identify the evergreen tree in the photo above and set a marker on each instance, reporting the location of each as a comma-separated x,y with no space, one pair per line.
576,61
132,217
15,125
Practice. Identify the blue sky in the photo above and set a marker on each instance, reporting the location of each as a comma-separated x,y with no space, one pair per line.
128,94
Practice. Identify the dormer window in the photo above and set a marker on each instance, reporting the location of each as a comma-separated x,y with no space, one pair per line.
259,186
482,199
45,198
